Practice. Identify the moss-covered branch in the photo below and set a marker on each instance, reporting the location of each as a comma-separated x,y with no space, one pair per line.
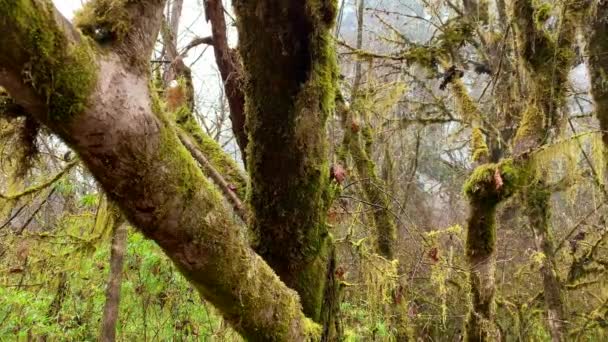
126,27
179,100
548,58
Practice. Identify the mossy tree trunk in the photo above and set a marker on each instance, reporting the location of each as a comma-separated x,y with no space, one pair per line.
487,187
290,75
547,61
95,95
539,214
358,144
597,47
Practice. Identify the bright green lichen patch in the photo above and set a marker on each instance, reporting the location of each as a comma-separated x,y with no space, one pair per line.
63,72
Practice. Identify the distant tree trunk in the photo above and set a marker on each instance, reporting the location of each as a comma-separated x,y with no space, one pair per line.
290,81
357,144
112,305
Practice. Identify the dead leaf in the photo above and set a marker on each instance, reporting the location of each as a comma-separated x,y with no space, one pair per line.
338,173
498,180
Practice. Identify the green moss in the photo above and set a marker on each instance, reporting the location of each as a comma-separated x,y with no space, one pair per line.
104,20
548,59
487,186
63,72
290,87
532,122
542,14
480,148
483,184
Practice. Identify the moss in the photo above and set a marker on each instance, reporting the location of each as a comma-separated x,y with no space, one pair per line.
178,106
480,148
483,184
548,59
104,20
541,14
63,72
532,122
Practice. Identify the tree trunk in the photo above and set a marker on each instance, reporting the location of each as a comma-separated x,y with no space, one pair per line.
112,305
542,115
487,187
100,104
538,211
290,73
597,45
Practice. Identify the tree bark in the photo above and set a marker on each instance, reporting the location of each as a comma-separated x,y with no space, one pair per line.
100,104
597,45
287,51
487,187
112,305
540,118
539,214
231,72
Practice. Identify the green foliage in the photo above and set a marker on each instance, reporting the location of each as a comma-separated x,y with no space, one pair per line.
157,302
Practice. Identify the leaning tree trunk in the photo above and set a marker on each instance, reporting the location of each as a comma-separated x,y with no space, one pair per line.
94,94
356,143
290,74
231,72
